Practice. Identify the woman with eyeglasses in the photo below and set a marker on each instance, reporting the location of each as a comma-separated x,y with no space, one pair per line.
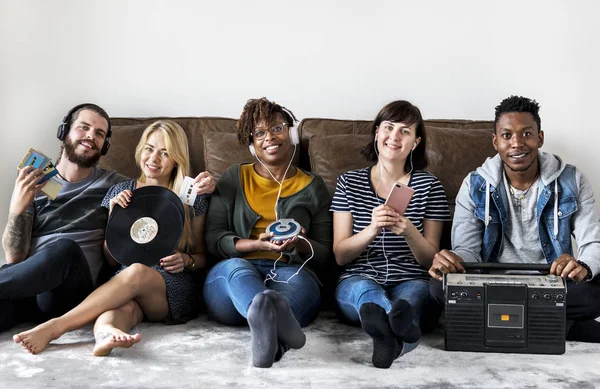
269,280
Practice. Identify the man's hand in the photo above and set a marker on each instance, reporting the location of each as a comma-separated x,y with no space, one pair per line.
26,186
567,266
445,262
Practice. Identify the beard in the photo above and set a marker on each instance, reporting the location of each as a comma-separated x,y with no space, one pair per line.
80,160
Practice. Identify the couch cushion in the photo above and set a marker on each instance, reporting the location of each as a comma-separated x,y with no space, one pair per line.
194,127
221,151
121,155
332,155
455,152
452,153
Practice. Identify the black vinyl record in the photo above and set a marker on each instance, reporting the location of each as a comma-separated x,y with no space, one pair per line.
148,229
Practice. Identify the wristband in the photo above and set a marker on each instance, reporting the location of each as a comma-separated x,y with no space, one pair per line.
585,265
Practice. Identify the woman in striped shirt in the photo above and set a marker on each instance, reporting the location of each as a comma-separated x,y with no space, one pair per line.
385,254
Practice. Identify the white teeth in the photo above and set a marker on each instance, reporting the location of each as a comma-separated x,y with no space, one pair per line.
272,147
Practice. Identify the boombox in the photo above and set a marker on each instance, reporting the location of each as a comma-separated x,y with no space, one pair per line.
505,313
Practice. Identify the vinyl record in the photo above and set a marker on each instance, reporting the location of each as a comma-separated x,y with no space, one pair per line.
148,229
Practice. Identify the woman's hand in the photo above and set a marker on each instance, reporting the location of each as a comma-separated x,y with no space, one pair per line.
403,227
204,183
174,263
383,216
122,199
264,243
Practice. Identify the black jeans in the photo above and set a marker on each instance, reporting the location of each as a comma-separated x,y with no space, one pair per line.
583,299
45,285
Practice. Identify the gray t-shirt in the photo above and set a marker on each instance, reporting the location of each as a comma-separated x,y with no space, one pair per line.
75,214
521,236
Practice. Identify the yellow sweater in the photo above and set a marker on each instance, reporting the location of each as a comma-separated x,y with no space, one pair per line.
261,195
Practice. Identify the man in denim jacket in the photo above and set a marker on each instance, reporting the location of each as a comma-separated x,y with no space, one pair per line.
523,206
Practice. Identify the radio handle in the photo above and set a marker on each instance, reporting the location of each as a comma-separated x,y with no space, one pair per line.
505,266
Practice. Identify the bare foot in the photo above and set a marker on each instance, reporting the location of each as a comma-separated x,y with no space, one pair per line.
109,337
36,339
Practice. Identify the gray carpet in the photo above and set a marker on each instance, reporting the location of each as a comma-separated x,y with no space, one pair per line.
204,354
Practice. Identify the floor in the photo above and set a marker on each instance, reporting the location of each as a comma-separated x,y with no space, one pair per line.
204,354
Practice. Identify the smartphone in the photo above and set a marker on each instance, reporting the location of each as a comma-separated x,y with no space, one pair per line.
399,197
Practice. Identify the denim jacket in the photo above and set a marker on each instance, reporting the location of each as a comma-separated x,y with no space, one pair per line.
565,207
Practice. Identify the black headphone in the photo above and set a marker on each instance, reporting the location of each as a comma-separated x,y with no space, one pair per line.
63,128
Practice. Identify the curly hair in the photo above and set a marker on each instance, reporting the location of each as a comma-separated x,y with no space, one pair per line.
519,104
257,110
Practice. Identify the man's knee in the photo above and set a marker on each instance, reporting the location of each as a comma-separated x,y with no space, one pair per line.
437,292
65,251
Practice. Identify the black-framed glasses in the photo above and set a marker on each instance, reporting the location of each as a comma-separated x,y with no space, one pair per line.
276,129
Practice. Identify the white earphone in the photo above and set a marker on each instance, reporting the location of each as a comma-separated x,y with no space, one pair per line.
295,138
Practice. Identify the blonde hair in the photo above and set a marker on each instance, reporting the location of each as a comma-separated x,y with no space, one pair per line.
176,143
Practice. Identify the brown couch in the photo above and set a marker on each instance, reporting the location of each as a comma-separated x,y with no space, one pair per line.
328,147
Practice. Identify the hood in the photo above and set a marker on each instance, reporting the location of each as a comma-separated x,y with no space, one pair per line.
551,166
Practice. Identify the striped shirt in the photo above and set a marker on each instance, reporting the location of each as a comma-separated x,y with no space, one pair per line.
354,193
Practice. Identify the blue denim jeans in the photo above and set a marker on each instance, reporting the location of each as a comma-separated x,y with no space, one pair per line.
232,284
44,285
351,293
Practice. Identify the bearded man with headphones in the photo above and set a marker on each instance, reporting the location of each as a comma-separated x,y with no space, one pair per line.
54,247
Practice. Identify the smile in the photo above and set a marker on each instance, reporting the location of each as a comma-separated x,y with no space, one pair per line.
152,167
518,157
88,145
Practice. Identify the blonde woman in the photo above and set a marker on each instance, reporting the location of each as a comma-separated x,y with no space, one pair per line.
165,292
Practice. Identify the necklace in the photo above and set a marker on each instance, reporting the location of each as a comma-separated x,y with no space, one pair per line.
524,193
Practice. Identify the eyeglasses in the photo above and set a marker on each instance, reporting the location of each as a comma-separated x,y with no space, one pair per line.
277,129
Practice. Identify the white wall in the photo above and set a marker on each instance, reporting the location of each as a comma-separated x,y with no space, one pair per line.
340,59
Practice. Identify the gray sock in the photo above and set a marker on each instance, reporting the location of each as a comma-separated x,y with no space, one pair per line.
262,320
289,331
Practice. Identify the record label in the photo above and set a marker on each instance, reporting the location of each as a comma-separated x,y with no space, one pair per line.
144,230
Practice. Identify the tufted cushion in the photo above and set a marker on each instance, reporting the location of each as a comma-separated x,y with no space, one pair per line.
121,155
222,150
332,155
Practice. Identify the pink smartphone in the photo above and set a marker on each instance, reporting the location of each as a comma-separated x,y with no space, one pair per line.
399,197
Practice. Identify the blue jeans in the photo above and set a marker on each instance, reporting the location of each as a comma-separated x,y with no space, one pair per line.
44,285
232,284
353,292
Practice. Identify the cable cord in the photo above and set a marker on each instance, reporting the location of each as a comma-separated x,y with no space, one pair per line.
272,274
383,230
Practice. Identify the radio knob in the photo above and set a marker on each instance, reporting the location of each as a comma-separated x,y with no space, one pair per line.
552,278
547,296
535,296
560,297
464,295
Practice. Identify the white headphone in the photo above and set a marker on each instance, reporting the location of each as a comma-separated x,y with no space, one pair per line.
293,136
